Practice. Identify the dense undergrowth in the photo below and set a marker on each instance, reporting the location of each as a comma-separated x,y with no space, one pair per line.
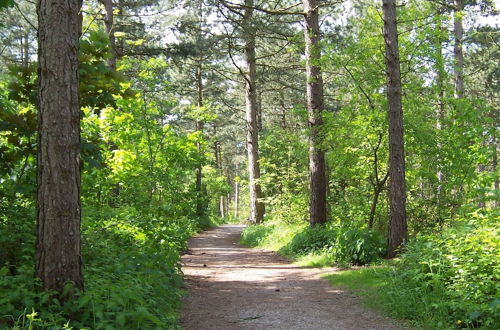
132,272
443,280
317,246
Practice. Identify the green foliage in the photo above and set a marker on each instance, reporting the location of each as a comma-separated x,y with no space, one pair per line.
442,281
132,273
454,275
140,154
6,4
335,243
138,189
284,174
366,282
98,83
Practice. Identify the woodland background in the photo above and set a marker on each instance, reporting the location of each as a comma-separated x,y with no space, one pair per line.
163,129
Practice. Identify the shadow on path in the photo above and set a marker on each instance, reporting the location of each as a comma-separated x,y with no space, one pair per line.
232,287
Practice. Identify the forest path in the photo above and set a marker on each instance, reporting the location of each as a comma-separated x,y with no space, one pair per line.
232,287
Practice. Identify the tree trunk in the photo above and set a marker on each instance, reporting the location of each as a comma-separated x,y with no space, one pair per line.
25,52
397,192
58,256
317,173
221,207
283,112
256,206
458,30
237,193
218,166
440,111
200,196
109,23
496,184
378,185
373,209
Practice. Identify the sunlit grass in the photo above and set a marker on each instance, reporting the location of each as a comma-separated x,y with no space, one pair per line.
365,281
316,260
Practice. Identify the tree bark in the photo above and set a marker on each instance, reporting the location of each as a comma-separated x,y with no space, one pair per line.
378,185
58,254
109,23
317,172
496,184
25,51
458,30
237,192
200,196
256,206
440,111
397,190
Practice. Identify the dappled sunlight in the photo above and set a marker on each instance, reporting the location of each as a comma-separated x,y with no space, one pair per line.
232,287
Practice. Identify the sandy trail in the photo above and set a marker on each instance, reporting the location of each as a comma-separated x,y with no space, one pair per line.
232,287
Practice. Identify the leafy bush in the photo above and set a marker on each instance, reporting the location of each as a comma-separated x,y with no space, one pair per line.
450,278
131,269
359,246
312,239
337,243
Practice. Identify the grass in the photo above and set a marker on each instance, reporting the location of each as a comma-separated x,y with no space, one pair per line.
365,282
317,260
445,280
370,283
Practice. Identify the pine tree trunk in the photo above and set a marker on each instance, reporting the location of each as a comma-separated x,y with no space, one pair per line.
256,206
200,194
317,172
58,253
397,192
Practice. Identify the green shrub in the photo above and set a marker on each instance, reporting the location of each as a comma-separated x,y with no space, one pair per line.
450,278
312,240
131,269
254,235
347,244
358,246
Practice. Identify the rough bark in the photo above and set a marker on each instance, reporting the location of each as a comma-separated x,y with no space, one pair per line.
58,256
317,172
109,23
458,53
256,206
218,165
397,190
200,198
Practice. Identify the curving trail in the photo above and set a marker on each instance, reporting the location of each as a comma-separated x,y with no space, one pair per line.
232,287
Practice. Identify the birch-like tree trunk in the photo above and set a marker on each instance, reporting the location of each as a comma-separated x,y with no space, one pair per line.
109,23
458,53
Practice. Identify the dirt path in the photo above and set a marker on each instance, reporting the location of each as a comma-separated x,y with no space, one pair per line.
232,287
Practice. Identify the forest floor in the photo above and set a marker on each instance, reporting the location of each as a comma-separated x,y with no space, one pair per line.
233,287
